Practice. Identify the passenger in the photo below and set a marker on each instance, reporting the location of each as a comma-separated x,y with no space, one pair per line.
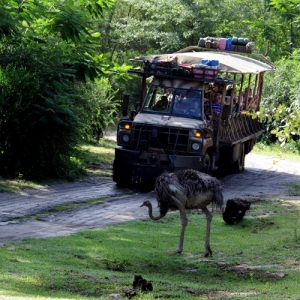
169,95
234,105
249,91
207,94
162,104
216,87
243,102
227,100
216,104
229,89
253,102
212,94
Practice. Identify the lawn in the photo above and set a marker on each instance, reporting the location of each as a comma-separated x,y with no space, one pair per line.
258,258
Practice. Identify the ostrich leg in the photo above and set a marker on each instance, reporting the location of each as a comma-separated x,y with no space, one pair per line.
209,217
184,222
180,201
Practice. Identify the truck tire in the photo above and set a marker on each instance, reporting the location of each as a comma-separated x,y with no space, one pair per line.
124,184
239,165
120,179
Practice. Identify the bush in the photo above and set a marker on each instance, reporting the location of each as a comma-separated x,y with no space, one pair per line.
97,107
39,122
280,105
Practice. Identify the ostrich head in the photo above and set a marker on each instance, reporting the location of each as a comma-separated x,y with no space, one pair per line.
149,205
146,203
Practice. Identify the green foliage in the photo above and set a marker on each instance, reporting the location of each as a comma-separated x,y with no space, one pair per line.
280,108
281,122
281,87
69,22
38,120
97,107
289,124
7,23
51,97
139,28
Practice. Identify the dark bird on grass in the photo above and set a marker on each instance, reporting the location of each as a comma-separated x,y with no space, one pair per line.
187,189
235,210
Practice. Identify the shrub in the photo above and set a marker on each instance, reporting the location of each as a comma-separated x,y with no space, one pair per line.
97,107
280,107
39,122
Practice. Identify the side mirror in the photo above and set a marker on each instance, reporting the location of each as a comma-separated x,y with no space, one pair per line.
125,105
137,106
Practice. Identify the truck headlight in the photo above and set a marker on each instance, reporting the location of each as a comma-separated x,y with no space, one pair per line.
125,138
195,146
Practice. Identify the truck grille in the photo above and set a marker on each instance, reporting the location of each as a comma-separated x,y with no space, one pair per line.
169,140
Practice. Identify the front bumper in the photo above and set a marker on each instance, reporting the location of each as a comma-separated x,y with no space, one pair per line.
135,168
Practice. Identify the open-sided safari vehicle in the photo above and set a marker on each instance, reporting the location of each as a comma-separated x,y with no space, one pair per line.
179,123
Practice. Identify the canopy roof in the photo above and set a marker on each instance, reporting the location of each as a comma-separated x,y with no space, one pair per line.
228,61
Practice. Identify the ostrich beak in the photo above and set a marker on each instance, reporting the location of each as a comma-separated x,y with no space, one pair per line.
144,203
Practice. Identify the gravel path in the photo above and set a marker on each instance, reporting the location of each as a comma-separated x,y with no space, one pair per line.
264,177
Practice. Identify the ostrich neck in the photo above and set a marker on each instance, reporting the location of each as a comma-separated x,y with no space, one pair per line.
151,215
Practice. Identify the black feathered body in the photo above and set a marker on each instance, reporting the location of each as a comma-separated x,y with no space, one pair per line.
235,210
195,189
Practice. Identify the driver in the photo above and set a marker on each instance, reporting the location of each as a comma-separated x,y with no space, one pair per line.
194,109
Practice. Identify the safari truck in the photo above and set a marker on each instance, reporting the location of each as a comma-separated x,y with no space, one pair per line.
176,126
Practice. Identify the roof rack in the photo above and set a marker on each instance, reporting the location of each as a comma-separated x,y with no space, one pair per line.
249,54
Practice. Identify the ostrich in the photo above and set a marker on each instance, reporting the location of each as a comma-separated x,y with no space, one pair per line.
187,189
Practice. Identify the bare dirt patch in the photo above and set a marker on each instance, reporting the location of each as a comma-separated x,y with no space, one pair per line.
253,271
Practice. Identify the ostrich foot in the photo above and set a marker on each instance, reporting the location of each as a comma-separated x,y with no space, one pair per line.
208,252
178,250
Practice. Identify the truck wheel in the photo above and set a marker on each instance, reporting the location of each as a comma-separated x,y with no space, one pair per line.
120,178
122,183
207,164
239,165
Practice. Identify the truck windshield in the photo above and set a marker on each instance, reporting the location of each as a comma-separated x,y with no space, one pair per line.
174,101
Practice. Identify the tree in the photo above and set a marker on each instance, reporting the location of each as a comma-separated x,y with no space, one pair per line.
136,27
287,12
47,50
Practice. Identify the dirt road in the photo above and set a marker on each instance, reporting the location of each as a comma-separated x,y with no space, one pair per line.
28,214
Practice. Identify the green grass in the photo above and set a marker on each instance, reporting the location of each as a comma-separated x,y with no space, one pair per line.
15,185
99,158
275,150
256,259
294,188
